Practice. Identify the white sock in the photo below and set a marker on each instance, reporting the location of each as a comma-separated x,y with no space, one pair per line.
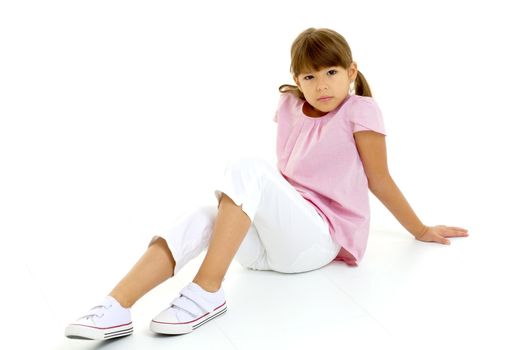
113,301
210,295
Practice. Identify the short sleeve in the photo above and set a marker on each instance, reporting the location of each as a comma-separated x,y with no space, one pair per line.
365,114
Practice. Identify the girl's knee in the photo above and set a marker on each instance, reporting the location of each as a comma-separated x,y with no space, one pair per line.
161,245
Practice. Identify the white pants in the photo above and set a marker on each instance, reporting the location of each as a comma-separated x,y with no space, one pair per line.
286,234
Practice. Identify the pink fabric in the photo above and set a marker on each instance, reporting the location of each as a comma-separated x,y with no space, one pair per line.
319,157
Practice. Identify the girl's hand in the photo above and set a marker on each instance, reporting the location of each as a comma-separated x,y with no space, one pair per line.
440,233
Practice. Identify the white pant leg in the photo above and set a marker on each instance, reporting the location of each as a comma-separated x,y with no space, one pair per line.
287,233
190,235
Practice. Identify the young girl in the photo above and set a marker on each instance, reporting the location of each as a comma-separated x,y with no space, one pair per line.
310,210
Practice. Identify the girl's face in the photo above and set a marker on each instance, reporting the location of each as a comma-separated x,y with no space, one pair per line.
332,82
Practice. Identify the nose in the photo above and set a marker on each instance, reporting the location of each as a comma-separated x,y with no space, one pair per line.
321,85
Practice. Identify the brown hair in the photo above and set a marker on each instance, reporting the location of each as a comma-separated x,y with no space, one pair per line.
315,49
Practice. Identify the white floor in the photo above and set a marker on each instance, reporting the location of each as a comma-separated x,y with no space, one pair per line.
405,294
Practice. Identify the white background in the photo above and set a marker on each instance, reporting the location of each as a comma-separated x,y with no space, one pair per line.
117,115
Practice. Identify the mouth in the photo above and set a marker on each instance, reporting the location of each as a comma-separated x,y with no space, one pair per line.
324,98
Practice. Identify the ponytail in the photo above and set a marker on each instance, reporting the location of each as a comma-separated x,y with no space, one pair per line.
292,89
361,85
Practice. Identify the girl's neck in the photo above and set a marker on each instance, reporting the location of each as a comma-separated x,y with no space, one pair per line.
311,111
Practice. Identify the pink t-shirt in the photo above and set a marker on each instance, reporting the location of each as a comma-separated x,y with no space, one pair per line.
319,158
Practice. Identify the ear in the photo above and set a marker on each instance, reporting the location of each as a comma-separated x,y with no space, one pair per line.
352,72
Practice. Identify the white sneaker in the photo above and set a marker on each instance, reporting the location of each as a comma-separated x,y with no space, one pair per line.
104,321
193,308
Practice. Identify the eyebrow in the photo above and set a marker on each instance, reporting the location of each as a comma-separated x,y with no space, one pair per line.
329,68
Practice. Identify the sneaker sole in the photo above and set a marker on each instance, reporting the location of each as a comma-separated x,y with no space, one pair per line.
78,331
186,327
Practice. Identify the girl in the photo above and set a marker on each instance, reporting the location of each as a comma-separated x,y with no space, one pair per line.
310,211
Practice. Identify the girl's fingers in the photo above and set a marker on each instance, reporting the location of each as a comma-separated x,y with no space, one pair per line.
457,228
455,232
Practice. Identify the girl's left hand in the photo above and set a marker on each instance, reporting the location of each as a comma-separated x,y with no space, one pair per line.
440,233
